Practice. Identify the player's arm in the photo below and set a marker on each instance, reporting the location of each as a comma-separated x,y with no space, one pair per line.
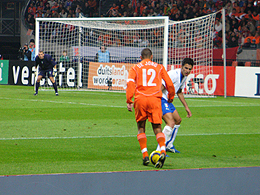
163,87
168,85
36,62
130,89
183,101
52,62
54,67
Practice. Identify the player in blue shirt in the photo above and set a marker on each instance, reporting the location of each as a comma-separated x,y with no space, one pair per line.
170,114
46,66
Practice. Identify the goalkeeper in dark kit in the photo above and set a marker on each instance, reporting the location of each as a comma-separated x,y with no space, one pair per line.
47,66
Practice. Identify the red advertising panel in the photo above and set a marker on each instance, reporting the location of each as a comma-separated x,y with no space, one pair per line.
205,82
231,74
231,53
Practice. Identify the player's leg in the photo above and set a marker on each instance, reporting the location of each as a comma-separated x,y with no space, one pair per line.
167,110
160,137
155,117
54,85
169,143
36,72
141,117
141,137
37,85
168,129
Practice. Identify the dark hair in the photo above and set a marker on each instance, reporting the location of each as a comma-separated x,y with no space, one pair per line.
103,46
146,53
188,61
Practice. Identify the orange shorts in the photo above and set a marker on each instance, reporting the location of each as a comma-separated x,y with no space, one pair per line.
148,108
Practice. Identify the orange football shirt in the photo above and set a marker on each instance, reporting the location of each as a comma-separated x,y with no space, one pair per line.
145,79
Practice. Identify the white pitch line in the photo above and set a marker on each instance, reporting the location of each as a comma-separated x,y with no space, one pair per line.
119,136
221,102
59,102
235,104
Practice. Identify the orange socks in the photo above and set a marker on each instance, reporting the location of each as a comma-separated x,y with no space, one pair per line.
160,137
141,137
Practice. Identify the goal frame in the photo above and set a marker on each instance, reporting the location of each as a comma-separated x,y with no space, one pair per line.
165,18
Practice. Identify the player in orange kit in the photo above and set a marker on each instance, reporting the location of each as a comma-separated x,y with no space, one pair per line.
145,81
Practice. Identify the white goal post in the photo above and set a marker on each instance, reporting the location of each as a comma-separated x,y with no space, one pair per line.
123,39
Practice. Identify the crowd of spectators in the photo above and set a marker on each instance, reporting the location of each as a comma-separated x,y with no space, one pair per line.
242,27
60,9
242,16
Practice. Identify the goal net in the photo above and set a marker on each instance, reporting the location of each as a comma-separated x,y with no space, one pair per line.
194,39
100,51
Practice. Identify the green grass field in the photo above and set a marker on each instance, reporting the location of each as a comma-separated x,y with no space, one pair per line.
90,131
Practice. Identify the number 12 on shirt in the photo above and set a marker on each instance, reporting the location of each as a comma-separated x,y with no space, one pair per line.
149,72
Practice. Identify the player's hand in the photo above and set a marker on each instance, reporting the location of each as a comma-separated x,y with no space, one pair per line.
130,107
170,100
188,113
55,72
35,71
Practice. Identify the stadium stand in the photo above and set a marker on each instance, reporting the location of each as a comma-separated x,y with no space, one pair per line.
242,16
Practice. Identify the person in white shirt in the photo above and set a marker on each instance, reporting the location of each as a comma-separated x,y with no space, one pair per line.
51,2
218,25
170,114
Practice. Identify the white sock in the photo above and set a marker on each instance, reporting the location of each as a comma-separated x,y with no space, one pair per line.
167,130
169,144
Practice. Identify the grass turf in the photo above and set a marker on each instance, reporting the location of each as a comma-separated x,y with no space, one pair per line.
90,131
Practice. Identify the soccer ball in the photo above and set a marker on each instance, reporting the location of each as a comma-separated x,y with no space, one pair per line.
154,156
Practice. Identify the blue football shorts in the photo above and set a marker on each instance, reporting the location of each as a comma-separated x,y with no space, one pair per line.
48,72
167,107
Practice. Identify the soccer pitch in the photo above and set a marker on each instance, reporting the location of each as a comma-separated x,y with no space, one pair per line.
91,131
